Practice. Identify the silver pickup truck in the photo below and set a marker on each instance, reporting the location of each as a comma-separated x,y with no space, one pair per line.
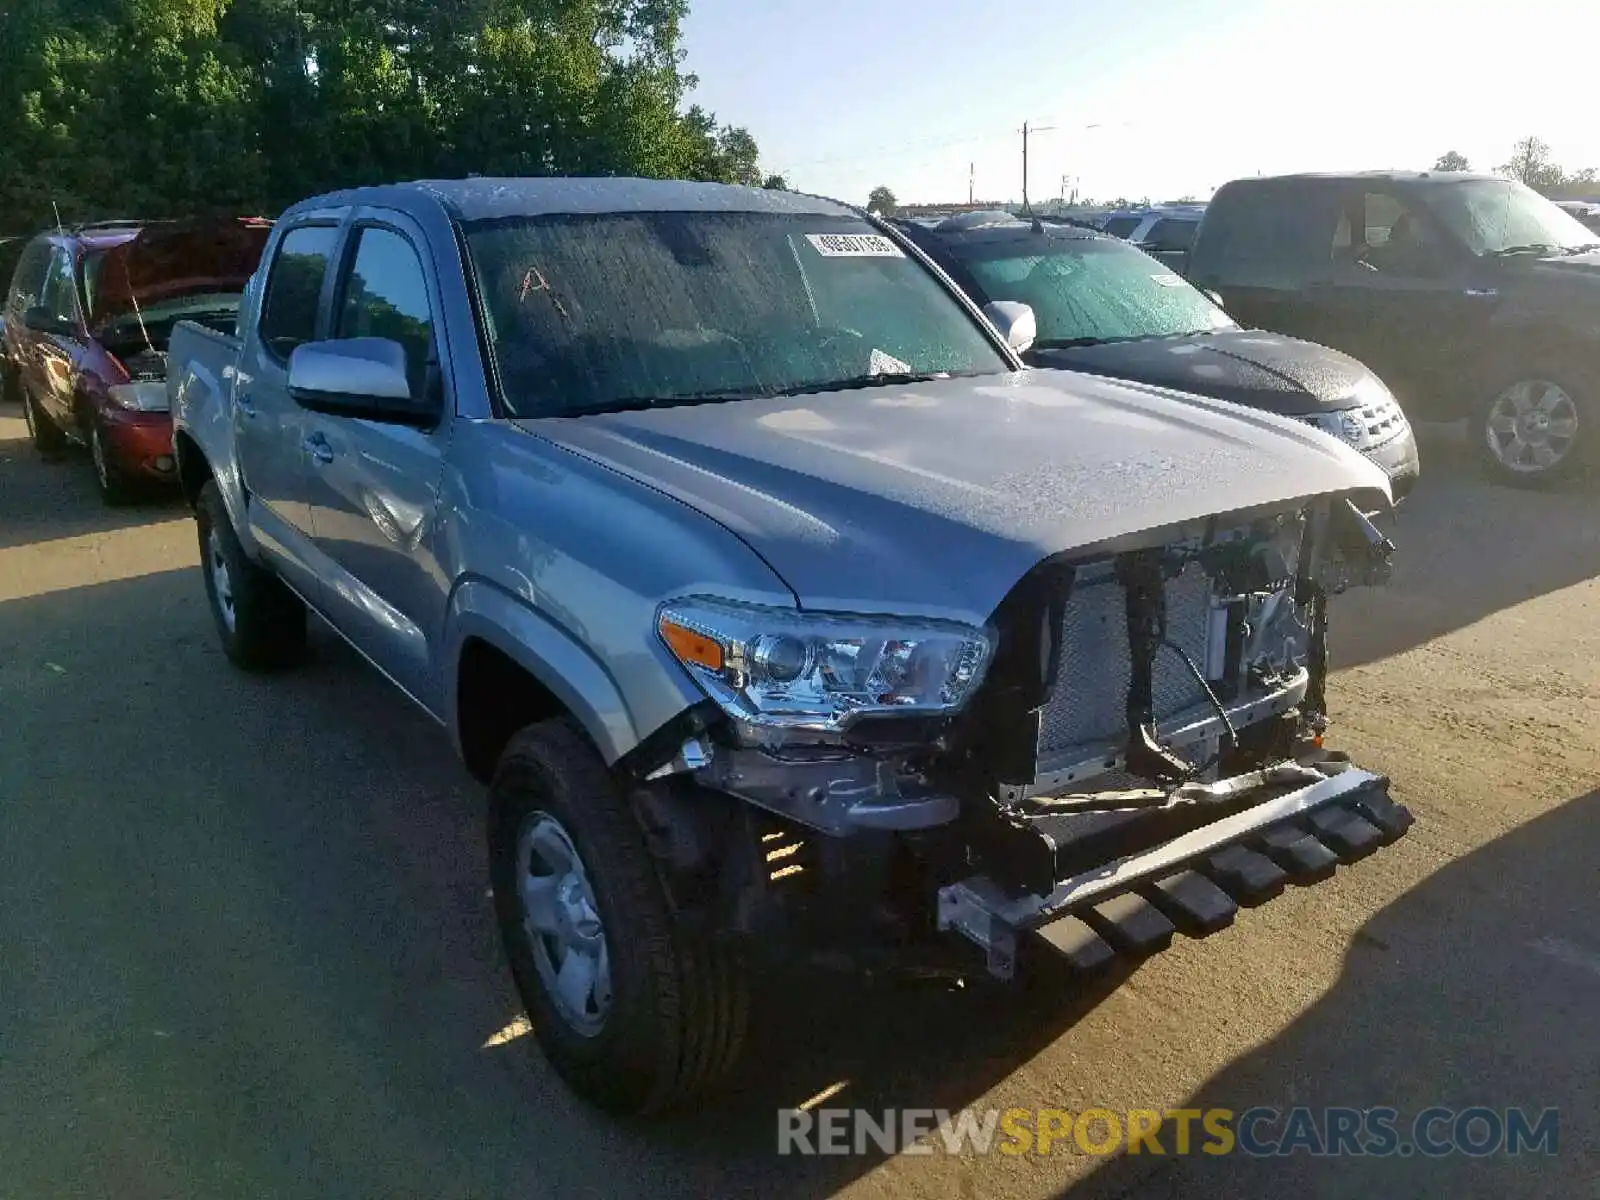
782,612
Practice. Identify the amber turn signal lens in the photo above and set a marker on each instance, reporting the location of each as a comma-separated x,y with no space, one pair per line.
691,646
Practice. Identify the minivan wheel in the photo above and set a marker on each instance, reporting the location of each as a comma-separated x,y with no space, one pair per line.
42,432
261,623
115,487
635,1010
1536,428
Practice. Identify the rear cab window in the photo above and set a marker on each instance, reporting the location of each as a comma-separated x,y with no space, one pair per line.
1275,234
294,288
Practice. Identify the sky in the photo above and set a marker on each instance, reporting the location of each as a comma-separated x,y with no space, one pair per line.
1153,98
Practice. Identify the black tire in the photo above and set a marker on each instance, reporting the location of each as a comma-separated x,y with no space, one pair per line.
1499,435
680,1003
268,626
116,489
46,437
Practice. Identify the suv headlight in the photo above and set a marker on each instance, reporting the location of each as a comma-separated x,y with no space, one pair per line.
780,668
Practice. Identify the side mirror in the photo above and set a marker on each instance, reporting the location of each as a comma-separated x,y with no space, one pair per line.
357,377
41,320
1015,321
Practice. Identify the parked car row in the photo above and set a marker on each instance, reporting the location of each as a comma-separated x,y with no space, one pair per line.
1470,296
783,609
1104,307
86,323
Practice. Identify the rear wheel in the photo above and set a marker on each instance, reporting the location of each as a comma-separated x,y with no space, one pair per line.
262,623
636,1011
1537,427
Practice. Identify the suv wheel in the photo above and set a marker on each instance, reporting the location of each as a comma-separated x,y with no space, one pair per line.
634,1010
262,623
1537,427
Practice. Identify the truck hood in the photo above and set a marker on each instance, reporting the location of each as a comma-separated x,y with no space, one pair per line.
1264,370
937,498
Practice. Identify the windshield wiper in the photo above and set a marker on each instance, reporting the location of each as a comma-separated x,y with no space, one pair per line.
1583,249
882,379
1530,248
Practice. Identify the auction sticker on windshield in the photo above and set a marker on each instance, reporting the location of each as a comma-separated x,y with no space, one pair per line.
854,245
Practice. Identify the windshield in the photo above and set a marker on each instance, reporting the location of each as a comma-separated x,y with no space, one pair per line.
1495,215
1088,289
615,310
1122,226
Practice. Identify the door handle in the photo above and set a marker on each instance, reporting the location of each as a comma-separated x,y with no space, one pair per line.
246,405
317,446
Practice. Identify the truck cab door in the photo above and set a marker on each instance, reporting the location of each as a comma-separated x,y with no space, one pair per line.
270,429
374,494
1399,294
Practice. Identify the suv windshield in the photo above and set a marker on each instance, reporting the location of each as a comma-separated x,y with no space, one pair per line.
1089,289
602,311
1495,215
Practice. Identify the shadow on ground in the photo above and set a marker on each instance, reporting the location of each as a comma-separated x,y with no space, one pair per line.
45,501
1467,548
1478,987
257,957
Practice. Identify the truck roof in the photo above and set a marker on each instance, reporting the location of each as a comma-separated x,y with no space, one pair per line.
1386,176
486,198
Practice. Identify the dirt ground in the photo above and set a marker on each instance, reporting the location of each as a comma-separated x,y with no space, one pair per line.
245,948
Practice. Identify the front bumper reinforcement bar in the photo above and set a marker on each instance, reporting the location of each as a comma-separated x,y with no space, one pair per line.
1195,881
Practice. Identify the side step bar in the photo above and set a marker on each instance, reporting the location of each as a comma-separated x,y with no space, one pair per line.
1194,883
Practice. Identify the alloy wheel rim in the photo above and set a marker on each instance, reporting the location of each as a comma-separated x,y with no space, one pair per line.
221,579
1532,426
562,924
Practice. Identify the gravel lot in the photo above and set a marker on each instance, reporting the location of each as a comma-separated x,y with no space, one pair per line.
245,948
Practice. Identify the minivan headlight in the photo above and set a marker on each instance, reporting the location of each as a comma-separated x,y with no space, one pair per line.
144,396
779,668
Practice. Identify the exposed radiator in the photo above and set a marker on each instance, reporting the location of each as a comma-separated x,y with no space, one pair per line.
1088,707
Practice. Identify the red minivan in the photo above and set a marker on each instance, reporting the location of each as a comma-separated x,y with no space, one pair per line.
87,320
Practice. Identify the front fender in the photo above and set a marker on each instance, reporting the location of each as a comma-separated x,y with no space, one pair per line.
579,680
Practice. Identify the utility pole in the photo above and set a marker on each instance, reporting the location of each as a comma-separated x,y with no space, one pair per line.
1025,131
972,182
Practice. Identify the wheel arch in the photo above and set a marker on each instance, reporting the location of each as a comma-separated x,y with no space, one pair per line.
509,666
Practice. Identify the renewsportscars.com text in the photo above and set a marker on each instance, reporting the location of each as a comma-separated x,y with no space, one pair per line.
1259,1132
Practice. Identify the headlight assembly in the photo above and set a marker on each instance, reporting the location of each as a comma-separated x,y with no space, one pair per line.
783,669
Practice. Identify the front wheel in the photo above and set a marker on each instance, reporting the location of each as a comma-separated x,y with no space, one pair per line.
48,440
635,1011
262,623
115,487
1537,427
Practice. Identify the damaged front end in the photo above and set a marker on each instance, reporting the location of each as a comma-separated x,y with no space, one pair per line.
1140,748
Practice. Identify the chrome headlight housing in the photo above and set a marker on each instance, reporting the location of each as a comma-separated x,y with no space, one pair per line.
778,668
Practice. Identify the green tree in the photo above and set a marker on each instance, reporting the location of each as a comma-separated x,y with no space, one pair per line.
775,183
1452,161
1532,164
150,107
881,200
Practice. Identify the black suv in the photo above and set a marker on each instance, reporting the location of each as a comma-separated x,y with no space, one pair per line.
1104,307
1471,295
